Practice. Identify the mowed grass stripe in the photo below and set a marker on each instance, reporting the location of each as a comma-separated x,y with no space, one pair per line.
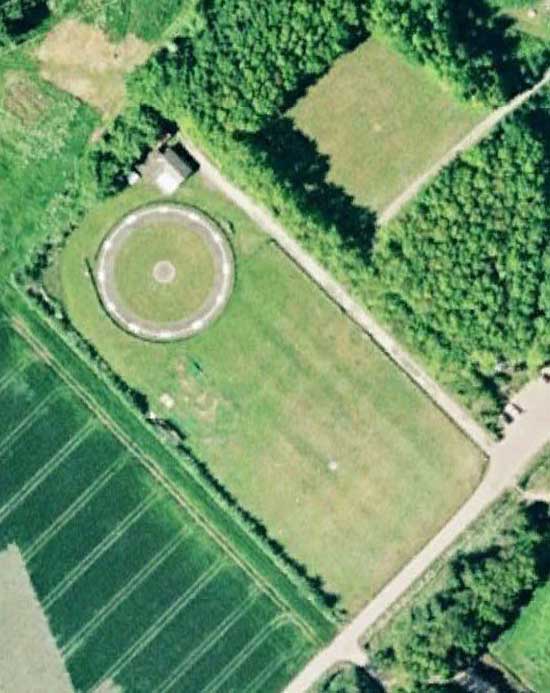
162,621
73,575
96,520
41,442
119,597
209,643
230,668
74,508
24,423
111,574
9,377
284,640
48,468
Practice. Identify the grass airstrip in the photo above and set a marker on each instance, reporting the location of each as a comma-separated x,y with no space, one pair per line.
382,121
142,586
300,416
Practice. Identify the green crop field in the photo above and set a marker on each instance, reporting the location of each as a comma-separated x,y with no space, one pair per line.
138,586
525,648
303,420
382,121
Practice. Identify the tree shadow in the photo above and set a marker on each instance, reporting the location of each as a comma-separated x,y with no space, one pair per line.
482,30
27,20
299,167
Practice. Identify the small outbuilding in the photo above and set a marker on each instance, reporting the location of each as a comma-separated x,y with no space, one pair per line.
167,169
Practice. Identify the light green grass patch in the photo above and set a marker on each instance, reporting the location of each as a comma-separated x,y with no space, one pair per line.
299,415
382,121
135,265
525,648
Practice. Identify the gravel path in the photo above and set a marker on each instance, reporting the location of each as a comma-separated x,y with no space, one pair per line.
342,298
476,135
192,221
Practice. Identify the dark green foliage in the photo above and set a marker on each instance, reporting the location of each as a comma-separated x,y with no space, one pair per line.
251,59
469,44
43,134
125,144
464,273
351,680
450,631
19,17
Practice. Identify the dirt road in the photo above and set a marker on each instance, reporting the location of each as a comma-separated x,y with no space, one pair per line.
476,135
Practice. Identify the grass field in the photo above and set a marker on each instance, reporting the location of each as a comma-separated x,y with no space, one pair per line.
134,273
525,648
137,588
382,121
43,132
314,431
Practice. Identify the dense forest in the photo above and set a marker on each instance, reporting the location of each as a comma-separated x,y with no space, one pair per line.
464,274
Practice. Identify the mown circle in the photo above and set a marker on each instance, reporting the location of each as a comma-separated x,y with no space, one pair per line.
165,272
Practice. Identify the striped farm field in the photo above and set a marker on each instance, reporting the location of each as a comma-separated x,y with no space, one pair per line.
143,587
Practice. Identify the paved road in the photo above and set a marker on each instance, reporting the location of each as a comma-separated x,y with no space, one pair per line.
508,461
476,135
341,297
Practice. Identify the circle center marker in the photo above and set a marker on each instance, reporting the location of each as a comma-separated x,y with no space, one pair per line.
164,272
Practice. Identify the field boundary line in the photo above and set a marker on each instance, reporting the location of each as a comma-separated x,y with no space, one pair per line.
81,636
36,479
240,658
99,549
474,137
14,371
266,673
74,508
167,616
208,642
27,421
175,492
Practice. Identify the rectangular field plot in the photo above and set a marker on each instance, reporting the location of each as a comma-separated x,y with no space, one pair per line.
525,648
382,121
135,591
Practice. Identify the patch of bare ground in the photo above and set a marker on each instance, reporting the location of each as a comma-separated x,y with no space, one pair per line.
29,658
80,59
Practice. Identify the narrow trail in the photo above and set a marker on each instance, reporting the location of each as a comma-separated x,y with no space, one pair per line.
480,131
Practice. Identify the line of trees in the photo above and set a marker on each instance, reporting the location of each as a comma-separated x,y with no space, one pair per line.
483,596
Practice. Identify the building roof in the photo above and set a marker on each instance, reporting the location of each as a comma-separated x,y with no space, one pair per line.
166,170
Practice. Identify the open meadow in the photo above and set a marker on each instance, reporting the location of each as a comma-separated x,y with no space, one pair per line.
349,466
525,648
140,587
382,121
